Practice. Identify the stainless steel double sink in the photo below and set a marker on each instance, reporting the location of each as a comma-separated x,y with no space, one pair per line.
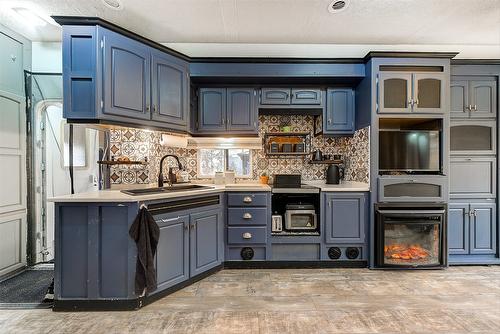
167,189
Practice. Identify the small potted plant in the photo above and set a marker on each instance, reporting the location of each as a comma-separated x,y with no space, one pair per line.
264,178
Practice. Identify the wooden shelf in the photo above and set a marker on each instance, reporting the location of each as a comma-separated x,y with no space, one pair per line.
326,161
116,162
292,138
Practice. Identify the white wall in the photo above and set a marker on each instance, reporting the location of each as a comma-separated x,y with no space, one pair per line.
47,57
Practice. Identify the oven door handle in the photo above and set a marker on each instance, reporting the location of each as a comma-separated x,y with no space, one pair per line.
412,212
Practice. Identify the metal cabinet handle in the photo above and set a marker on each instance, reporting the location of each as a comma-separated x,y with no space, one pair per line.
247,199
329,121
247,235
410,102
192,226
475,107
469,107
223,121
154,108
147,108
415,102
247,216
227,121
474,212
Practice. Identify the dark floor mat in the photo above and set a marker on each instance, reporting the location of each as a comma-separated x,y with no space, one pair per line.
26,290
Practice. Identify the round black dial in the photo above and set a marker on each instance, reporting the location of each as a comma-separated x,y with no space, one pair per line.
247,253
334,253
352,253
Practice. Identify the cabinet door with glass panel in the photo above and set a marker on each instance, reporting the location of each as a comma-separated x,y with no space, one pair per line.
473,137
473,97
405,92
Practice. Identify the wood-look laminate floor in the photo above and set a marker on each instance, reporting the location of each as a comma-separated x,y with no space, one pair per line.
455,300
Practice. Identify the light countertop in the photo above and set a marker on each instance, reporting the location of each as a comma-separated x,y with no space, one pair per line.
115,194
343,186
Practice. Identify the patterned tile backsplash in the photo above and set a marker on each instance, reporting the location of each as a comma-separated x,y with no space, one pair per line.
142,144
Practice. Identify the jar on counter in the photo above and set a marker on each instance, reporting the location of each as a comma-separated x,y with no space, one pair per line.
219,178
230,177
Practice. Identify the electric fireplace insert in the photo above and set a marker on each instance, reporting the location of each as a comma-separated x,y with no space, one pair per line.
410,235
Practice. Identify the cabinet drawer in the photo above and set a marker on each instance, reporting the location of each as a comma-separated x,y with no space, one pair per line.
247,216
472,177
411,189
306,96
236,254
247,199
246,235
275,96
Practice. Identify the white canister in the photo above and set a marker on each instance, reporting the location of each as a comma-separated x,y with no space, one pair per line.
219,178
230,178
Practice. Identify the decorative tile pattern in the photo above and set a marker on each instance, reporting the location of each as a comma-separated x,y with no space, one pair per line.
139,144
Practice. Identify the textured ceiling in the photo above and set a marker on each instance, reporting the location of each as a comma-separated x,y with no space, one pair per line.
458,23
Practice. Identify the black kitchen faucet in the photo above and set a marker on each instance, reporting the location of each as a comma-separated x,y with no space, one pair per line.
170,174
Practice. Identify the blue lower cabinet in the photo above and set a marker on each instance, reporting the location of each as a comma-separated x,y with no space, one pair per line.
338,118
345,216
172,255
458,228
206,241
246,235
483,234
247,216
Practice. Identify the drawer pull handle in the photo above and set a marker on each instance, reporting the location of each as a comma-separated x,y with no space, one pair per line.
247,235
247,216
247,199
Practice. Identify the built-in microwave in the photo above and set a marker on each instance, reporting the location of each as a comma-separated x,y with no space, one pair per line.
300,217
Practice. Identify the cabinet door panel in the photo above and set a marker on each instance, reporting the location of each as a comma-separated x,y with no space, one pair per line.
339,112
483,98
169,91
395,92
473,137
206,241
472,177
345,218
126,72
306,96
212,110
275,96
241,111
428,92
458,228
483,229
459,95
172,255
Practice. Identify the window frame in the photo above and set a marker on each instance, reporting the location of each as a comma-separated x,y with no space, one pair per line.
226,163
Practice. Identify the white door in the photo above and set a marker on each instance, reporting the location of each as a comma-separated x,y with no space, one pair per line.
12,157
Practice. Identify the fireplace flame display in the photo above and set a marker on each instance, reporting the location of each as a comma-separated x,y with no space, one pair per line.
405,252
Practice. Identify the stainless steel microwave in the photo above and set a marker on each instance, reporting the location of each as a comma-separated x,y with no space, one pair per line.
300,217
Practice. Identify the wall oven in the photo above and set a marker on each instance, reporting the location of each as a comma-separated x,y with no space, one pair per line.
300,217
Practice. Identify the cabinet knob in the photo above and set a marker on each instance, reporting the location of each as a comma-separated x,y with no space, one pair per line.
247,235
192,226
329,121
475,107
223,121
247,199
147,108
247,216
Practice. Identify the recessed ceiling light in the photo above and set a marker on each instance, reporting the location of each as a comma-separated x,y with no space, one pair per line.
338,5
113,4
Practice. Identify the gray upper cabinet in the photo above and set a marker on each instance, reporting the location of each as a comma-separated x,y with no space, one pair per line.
459,97
275,96
126,73
395,92
473,97
241,112
206,241
404,92
339,116
306,96
172,255
212,110
170,87
345,216
458,228
428,92
483,98
483,222
223,110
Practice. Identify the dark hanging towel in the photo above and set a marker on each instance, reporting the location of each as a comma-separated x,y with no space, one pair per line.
145,233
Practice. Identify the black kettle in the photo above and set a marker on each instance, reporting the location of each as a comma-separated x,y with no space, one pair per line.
334,173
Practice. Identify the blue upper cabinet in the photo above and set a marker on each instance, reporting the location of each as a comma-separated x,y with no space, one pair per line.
241,112
280,97
170,87
227,110
212,110
126,74
110,78
338,118
273,96
306,96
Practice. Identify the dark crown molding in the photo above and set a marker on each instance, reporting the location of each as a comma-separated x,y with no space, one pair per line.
397,54
475,61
